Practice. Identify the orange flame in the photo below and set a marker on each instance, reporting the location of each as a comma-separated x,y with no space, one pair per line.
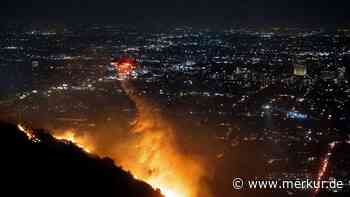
124,67
29,133
324,164
71,136
153,159
154,156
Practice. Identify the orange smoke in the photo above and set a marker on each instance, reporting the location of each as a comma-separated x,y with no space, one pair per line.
153,154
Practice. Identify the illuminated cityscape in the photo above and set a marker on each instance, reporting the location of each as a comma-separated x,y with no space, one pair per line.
185,109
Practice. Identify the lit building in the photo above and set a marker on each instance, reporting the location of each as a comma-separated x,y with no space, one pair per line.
299,70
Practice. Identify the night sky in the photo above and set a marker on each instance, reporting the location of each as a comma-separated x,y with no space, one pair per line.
250,12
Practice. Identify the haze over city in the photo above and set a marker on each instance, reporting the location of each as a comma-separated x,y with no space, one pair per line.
176,99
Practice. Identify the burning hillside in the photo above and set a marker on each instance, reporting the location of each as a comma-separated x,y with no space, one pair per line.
40,165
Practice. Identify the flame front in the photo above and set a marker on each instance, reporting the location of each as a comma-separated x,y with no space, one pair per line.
155,162
70,135
151,152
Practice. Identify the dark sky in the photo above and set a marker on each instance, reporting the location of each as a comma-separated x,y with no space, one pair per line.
251,12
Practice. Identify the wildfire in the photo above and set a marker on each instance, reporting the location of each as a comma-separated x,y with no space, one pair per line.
169,193
153,155
154,160
324,164
124,67
150,158
29,133
21,128
71,136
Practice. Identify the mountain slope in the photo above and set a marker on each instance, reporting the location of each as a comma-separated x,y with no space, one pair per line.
44,166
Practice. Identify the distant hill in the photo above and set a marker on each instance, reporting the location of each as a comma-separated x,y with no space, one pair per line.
48,167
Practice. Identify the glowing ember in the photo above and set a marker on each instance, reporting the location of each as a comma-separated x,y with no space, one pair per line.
21,128
28,132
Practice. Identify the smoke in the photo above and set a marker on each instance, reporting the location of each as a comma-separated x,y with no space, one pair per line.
150,151
154,155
